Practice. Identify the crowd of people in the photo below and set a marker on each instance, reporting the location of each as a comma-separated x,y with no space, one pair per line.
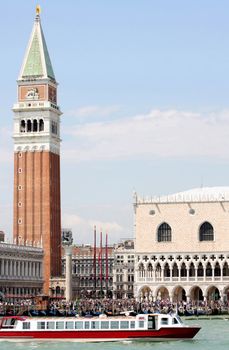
91,307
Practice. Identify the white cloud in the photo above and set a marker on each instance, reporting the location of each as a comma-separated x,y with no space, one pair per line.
169,133
83,228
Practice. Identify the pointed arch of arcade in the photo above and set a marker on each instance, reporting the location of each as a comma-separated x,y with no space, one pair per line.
161,293
226,293
212,293
145,292
178,294
196,293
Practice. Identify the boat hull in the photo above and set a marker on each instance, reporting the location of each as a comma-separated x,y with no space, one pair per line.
109,335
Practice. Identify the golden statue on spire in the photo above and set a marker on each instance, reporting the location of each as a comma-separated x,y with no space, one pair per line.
38,10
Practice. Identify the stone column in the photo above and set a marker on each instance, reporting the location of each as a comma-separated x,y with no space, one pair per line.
68,273
2,267
204,268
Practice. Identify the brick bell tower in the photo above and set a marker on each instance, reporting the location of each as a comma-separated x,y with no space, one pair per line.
37,211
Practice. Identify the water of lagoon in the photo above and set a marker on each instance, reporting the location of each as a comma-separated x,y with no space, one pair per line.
213,335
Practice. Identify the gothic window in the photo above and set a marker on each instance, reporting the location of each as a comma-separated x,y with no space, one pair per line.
225,269
200,270
175,270
208,270
164,233
41,125
35,125
166,270
183,271
206,232
217,270
191,270
22,126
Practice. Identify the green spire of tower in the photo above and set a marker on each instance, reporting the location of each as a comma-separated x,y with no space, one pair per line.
37,63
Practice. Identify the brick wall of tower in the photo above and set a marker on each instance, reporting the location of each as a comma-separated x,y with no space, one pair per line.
37,211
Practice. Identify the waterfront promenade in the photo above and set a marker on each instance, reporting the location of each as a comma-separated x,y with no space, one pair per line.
90,307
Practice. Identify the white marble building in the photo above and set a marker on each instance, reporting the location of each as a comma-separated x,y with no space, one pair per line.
21,274
182,246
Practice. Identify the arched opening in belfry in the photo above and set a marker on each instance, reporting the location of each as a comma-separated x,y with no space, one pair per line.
35,125
41,125
22,126
29,125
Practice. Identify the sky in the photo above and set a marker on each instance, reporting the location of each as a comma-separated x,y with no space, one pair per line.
143,87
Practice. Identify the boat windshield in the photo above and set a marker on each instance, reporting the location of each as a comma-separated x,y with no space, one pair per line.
179,319
8,322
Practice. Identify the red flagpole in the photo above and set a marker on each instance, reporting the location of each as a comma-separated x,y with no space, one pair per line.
101,262
94,260
107,262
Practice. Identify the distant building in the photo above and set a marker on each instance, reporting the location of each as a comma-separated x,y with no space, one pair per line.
21,272
123,269
2,236
182,246
83,268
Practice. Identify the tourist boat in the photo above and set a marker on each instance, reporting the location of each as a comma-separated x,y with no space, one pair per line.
148,327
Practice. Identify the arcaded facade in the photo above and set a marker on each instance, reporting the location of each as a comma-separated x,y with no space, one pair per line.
21,272
182,246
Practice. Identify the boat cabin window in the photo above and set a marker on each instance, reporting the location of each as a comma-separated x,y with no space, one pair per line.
124,324
41,325
26,325
164,320
86,325
94,324
141,324
114,324
50,325
60,325
69,325
79,325
104,324
174,320
132,324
